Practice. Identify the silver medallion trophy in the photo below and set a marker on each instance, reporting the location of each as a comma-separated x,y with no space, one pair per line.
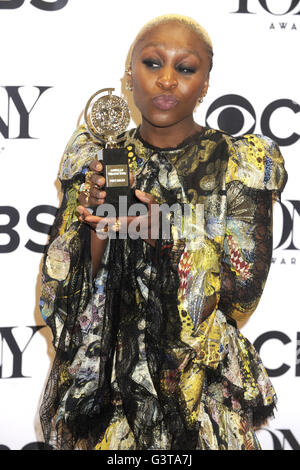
106,117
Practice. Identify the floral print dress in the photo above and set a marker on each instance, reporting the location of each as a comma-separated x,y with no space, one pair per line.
148,353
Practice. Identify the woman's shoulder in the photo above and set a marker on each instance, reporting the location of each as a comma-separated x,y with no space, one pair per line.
80,150
249,142
256,161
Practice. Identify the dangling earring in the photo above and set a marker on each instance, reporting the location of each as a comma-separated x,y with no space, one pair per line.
200,100
127,86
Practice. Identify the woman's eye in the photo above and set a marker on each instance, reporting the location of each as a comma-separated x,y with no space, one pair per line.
151,64
185,69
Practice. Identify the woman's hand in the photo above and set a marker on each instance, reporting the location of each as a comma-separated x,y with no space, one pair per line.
96,195
150,222
145,226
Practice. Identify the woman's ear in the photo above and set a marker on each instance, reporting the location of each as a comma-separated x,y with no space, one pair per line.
205,88
203,93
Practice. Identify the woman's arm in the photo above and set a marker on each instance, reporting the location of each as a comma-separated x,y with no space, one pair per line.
247,250
98,244
66,270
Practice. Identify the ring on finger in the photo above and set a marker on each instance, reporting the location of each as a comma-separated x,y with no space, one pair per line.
88,176
102,230
116,226
85,189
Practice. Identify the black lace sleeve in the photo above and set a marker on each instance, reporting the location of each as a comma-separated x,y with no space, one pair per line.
247,250
255,178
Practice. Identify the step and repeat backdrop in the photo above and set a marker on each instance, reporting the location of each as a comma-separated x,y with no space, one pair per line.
54,56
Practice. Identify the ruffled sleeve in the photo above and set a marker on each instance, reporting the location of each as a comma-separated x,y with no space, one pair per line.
66,266
79,152
257,163
255,178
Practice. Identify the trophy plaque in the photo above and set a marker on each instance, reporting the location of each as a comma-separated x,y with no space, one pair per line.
106,117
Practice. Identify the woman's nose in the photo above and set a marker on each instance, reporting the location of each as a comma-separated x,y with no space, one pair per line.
167,79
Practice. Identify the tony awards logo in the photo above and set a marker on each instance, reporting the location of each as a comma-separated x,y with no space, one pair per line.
287,9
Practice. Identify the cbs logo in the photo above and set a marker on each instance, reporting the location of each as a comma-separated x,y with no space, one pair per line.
236,115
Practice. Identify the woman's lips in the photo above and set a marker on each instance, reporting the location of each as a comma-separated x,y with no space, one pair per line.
165,102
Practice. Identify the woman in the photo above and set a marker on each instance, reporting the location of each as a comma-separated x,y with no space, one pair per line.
148,354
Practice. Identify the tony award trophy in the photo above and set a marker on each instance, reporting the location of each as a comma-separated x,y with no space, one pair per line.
106,117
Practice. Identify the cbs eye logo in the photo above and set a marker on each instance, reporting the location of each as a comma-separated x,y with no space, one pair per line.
235,115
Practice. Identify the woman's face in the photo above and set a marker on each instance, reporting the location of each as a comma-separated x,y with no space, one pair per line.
170,71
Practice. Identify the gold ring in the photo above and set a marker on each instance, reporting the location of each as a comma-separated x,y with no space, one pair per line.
117,225
88,176
102,230
85,189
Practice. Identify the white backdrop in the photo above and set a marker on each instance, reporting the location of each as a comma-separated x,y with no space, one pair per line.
54,55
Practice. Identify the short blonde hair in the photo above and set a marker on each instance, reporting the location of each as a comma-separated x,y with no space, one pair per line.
181,19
